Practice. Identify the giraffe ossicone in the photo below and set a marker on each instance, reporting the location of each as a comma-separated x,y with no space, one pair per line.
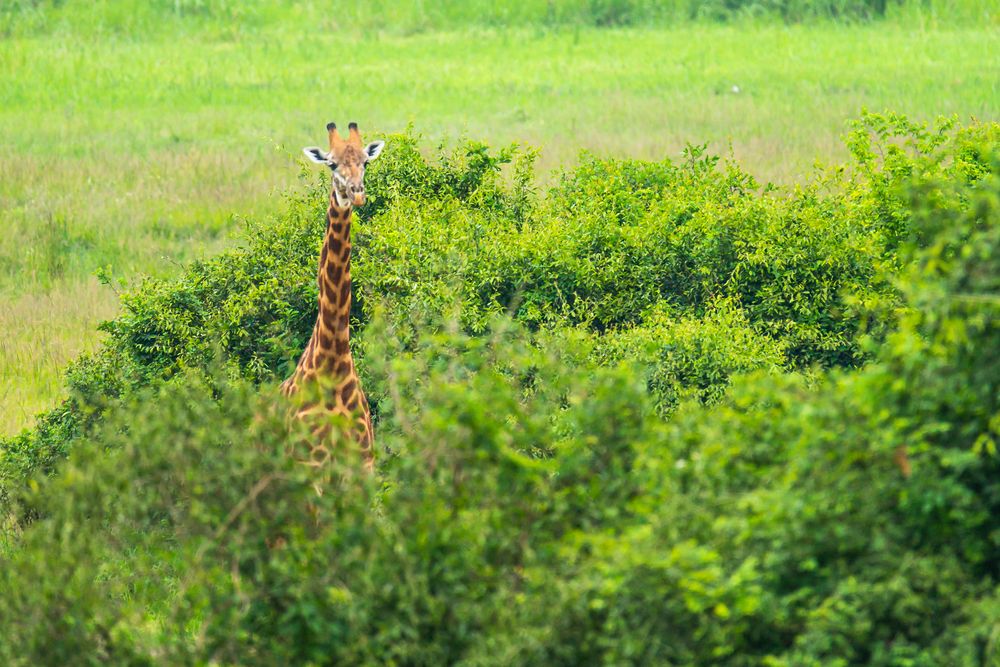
327,358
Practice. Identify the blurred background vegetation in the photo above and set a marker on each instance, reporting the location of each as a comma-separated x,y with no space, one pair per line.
412,16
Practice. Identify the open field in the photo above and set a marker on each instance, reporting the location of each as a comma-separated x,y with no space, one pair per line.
135,152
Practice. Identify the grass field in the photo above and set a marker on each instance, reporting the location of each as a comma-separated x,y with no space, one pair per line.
138,153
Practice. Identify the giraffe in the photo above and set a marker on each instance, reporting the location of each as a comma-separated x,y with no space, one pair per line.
327,356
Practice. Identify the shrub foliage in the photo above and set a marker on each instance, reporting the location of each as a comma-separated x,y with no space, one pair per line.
656,415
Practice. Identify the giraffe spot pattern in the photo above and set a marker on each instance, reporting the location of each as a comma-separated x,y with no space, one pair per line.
348,390
342,346
328,351
325,339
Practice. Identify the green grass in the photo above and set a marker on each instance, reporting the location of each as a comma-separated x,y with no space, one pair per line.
408,17
135,151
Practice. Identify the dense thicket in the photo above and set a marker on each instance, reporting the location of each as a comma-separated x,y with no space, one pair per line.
566,474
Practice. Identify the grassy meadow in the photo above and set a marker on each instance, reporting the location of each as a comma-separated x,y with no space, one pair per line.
135,153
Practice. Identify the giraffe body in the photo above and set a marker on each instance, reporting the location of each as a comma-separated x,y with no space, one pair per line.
327,357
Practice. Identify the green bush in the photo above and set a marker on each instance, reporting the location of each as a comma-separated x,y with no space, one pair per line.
773,442
612,242
688,357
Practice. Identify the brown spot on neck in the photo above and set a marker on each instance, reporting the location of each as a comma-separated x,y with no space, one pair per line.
329,348
341,346
347,391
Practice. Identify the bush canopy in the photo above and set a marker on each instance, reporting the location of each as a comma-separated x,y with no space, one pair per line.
657,414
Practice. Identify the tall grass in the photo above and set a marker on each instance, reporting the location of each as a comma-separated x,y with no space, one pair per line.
42,333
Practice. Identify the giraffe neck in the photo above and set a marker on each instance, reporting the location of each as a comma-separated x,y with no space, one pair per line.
330,343
329,351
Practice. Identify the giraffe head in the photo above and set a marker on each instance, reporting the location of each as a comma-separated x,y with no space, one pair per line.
347,160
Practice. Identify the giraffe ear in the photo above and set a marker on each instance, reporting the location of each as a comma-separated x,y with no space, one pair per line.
373,149
317,155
